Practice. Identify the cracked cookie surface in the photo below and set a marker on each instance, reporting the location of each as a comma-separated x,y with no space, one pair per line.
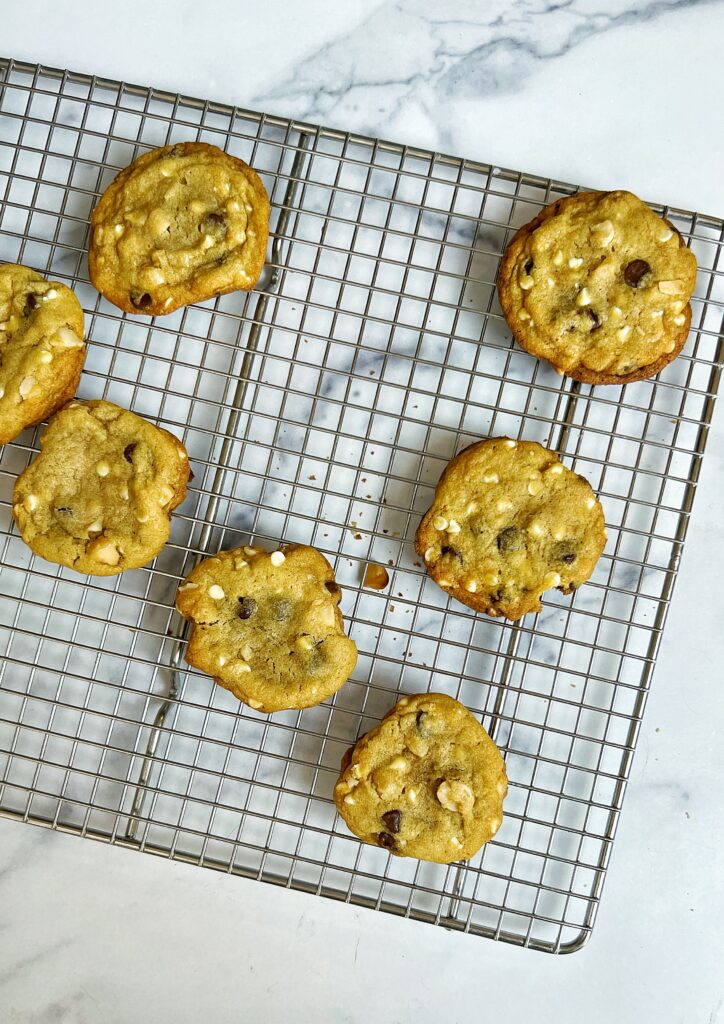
599,286
99,496
267,627
427,782
508,522
41,348
179,225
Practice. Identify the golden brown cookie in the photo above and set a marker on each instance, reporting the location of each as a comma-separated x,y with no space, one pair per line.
99,496
179,225
509,521
267,627
599,286
427,782
41,348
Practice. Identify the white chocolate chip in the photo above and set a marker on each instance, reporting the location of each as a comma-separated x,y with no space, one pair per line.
104,551
187,586
277,557
679,319
676,307
165,495
305,643
46,356
535,487
494,825
31,502
123,491
102,468
471,586
50,294
429,554
575,262
153,276
2,391
456,796
604,232
411,793
504,505
526,282
583,298
399,764
675,287
143,517
444,583
551,579
472,507
248,207
215,592
232,206
535,529
26,386
556,469
523,314
509,443
491,478
207,241
256,704
440,523
65,338
616,312
656,312
182,453
558,259
349,799
329,615
502,787
246,652
666,235
454,526
623,332
222,660
243,666
96,527
249,551
239,563
590,502
455,841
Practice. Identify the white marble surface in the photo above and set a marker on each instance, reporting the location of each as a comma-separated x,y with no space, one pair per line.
610,94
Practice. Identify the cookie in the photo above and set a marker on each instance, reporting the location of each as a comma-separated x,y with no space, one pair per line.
41,348
99,495
267,627
599,286
179,225
509,521
427,782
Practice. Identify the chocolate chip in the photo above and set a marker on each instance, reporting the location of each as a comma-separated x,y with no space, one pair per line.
282,609
332,587
447,550
392,820
213,222
594,318
634,271
528,266
386,840
247,607
511,539
31,303
141,300
128,452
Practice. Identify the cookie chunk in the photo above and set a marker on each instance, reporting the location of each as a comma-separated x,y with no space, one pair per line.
599,286
41,348
99,495
427,782
267,627
508,522
179,225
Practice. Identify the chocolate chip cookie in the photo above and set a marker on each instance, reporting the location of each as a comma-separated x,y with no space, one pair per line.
427,782
508,522
99,496
41,348
267,627
599,286
179,225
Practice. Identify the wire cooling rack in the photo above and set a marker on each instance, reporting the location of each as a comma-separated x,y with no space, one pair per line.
321,409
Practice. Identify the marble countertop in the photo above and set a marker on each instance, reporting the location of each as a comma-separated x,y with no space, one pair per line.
620,94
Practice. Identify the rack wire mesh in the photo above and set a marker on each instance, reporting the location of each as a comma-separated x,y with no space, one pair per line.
321,409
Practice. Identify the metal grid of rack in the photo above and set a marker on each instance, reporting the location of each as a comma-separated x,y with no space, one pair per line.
321,409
